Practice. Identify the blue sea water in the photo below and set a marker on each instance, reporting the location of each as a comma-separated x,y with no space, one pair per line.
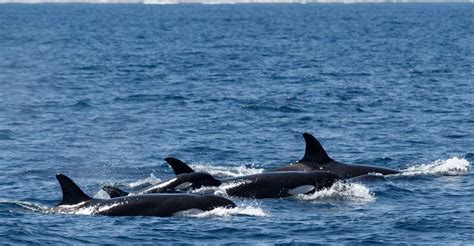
103,93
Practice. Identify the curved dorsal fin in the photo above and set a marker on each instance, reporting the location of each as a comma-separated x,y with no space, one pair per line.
72,194
178,166
314,151
113,191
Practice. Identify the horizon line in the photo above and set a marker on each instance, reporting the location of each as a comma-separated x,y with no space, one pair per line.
164,2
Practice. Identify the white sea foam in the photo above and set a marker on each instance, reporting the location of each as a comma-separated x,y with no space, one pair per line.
101,194
341,191
451,166
227,212
226,171
166,183
220,190
205,190
86,210
71,209
233,184
30,206
151,180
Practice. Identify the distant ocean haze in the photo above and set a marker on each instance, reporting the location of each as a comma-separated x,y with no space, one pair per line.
234,1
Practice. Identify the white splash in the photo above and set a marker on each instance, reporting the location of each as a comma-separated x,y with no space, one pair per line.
230,185
192,211
151,180
86,210
227,212
73,209
161,185
101,194
227,171
32,206
220,190
452,166
205,190
341,191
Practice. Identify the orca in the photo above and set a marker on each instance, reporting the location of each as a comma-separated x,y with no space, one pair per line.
269,184
162,205
316,159
180,182
263,185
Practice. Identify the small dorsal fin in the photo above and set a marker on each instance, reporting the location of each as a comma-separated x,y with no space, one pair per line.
113,191
314,151
178,166
72,194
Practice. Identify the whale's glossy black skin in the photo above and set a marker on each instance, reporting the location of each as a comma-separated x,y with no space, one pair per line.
316,159
278,184
263,185
267,185
195,181
162,205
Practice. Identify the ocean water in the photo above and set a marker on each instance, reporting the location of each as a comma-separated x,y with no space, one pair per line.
102,93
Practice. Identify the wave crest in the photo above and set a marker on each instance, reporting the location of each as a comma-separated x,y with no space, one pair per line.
34,207
227,171
150,180
341,191
227,212
452,166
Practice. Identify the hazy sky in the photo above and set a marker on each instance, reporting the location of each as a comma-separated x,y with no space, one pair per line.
225,1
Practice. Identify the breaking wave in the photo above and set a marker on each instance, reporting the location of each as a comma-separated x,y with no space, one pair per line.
341,191
30,206
227,212
452,166
89,210
101,194
219,190
150,180
226,171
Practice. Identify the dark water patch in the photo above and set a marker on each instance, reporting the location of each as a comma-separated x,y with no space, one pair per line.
455,136
433,71
146,65
306,118
54,121
149,98
29,112
347,74
470,157
91,68
83,104
283,109
426,224
6,134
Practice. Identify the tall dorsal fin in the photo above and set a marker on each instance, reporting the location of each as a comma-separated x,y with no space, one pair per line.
178,166
314,151
72,194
